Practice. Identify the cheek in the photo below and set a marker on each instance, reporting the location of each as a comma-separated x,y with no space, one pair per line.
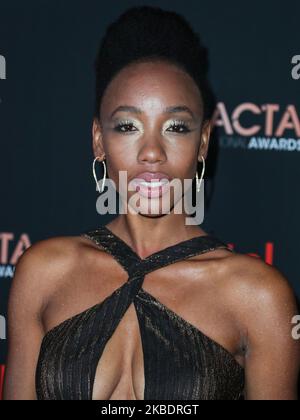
121,148
121,155
184,161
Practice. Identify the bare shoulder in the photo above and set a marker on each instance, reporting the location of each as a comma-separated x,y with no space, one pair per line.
43,265
257,291
259,279
56,253
39,271
264,308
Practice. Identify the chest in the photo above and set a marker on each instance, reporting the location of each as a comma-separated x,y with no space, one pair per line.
133,345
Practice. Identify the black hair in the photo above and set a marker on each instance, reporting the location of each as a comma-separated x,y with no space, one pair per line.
147,33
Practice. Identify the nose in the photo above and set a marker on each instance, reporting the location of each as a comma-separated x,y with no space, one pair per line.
152,150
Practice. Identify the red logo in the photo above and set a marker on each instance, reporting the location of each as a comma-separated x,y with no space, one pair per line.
2,369
269,253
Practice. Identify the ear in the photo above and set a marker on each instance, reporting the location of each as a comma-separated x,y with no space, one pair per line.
205,135
98,148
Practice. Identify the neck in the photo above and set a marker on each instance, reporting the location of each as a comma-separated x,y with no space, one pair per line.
147,235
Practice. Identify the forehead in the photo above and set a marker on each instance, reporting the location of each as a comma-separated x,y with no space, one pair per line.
151,86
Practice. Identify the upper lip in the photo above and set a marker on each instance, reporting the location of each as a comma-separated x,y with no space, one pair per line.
149,176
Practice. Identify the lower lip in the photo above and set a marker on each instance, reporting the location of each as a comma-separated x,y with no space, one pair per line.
149,191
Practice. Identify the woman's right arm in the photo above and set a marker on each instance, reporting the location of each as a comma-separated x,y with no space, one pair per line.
36,273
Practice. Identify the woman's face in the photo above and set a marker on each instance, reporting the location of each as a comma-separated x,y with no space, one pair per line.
151,120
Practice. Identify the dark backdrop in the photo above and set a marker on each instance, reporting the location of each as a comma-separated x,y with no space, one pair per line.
46,105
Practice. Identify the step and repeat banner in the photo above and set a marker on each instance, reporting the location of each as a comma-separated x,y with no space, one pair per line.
47,49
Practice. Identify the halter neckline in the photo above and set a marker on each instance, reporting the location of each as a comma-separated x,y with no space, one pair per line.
156,253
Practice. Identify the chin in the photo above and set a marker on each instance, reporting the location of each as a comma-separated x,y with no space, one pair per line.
151,208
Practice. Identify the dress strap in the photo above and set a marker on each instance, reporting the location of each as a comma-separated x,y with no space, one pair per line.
134,265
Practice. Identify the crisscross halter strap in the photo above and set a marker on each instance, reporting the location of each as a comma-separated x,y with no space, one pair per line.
180,361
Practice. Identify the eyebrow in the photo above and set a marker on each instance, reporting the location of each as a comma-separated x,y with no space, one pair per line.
168,110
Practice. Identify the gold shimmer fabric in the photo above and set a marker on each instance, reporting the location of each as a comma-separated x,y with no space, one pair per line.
180,362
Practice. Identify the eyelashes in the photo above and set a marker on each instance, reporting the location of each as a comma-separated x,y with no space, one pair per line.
176,126
125,126
179,126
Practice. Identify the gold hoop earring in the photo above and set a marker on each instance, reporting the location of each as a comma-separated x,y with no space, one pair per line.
94,174
198,183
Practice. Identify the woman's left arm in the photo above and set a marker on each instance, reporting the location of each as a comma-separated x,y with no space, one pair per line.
272,356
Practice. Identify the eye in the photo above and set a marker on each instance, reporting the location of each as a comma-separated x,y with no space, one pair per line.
179,127
124,126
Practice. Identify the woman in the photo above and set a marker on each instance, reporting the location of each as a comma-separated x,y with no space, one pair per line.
138,309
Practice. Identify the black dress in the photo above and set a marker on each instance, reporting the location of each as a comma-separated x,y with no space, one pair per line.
180,362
